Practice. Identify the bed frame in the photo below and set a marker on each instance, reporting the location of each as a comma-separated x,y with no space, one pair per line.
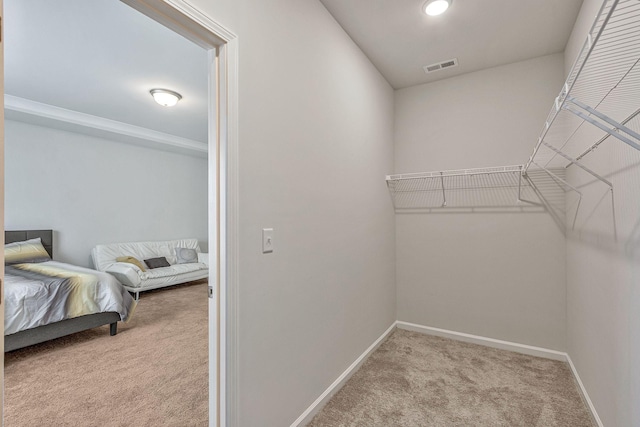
58,329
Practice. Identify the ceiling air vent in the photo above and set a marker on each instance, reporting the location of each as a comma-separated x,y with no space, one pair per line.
441,65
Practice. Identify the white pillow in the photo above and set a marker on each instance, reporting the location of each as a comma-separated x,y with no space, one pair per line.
186,256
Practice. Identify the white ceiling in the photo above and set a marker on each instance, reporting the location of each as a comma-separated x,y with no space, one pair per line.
101,57
400,39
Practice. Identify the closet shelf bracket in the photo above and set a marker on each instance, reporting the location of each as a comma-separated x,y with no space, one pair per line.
573,161
593,116
562,183
604,138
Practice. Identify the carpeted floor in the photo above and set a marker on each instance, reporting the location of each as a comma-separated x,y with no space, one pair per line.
153,373
416,380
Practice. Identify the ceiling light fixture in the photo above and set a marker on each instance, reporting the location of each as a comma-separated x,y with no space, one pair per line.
436,7
165,97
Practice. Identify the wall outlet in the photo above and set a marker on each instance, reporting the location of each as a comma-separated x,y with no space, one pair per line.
267,240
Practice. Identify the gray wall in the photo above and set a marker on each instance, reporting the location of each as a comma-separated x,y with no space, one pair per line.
603,274
316,140
498,275
91,190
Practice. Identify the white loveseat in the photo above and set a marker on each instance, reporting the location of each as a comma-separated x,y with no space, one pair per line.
134,279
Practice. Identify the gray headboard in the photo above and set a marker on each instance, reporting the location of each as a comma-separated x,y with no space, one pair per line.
22,235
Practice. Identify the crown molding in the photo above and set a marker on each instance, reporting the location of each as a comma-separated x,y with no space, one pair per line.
40,114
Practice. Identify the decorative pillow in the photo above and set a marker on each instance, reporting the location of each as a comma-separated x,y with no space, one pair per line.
186,255
157,262
131,260
27,251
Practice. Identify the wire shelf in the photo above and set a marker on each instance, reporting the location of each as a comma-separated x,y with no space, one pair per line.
599,101
601,93
494,187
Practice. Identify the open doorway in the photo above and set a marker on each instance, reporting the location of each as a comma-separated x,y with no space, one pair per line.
219,46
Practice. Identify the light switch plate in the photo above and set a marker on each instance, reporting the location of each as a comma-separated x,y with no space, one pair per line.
267,240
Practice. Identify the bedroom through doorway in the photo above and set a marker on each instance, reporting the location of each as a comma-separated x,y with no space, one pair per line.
119,169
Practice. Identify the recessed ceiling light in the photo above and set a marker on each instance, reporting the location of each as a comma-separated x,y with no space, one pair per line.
165,97
436,7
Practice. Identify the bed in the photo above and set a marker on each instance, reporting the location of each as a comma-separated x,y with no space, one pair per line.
46,299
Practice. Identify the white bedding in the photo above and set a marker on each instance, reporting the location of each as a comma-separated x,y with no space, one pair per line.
30,302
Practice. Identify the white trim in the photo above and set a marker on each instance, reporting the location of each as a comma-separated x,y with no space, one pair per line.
231,277
196,15
191,23
188,21
488,342
315,407
37,113
216,361
585,395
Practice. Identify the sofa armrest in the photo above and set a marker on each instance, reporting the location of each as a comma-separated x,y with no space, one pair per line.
203,258
127,274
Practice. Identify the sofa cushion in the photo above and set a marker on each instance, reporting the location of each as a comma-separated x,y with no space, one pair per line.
160,282
172,270
128,274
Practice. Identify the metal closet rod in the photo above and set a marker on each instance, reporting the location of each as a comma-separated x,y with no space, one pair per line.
604,138
614,131
573,161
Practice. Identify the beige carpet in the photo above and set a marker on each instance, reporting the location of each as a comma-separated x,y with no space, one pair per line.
418,380
153,373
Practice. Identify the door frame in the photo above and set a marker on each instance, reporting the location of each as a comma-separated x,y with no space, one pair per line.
222,47
2,210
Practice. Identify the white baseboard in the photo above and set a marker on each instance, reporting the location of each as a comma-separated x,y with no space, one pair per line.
315,407
585,395
487,342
